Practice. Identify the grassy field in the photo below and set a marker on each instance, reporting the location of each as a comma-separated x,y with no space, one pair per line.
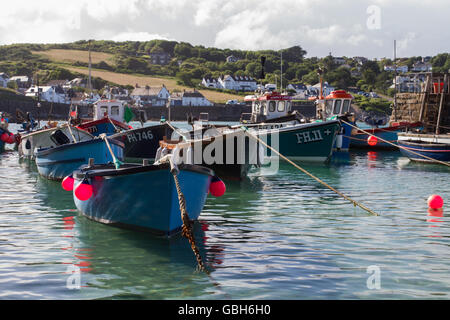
141,80
70,56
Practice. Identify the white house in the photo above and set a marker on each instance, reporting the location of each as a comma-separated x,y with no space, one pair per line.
422,67
401,69
153,96
22,81
232,59
4,79
48,93
238,83
297,87
190,98
326,88
211,83
115,93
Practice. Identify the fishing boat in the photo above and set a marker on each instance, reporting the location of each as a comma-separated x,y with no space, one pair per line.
50,137
142,143
108,117
141,196
359,138
272,120
336,106
57,162
425,147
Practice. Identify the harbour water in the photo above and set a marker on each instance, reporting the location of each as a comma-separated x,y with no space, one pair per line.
272,236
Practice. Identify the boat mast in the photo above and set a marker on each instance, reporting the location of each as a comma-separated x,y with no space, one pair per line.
395,80
90,66
281,73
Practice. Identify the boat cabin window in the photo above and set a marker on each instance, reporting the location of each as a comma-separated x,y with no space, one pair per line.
288,106
115,110
103,111
280,106
337,106
346,106
328,106
272,106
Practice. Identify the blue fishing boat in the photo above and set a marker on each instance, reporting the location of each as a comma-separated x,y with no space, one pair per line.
55,163
108,118
422,147
141,197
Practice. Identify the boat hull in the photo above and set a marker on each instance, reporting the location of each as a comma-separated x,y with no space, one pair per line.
390,134
426,145
105,125
143,198
41,139
142,143
312,142
59,162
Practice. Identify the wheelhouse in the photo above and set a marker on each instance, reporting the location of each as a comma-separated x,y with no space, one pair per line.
337,103
108,108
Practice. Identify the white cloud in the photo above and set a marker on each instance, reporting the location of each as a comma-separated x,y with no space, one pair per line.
318,26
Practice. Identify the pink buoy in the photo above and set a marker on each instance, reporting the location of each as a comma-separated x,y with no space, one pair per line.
217,188
67,183
372,140
4,137
435,201
11,139
84,191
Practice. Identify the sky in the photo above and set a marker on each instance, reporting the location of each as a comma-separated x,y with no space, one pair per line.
343,27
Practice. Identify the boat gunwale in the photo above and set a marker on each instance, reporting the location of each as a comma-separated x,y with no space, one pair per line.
50,150
132,168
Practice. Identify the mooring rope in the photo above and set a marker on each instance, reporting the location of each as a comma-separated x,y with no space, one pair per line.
355,203
401,147
176,130
186,229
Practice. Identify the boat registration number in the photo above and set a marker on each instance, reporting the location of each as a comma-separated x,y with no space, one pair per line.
139,136
309,136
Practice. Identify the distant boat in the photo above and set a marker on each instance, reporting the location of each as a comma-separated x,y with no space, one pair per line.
436,147
55,163
142,197
5,136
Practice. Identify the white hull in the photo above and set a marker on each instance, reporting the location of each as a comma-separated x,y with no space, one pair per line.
41,139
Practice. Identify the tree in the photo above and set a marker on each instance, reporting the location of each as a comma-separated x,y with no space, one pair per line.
293,54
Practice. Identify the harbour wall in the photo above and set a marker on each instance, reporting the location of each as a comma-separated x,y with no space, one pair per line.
218,112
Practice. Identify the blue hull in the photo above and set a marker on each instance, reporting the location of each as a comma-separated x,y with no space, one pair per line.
437,151
342,142
143,198
59,162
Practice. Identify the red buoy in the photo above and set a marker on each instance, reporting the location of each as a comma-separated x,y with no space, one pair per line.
217,187
435,201
84,191
67,183
4,137
372,140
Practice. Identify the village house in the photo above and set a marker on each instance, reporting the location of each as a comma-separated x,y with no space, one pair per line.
209,82
153,96
4,79
23,82
339,60
297,87
360,60
77,82
161,58
189,98
116,93
238,83
48,93
422,67
401,69
232,59
315,89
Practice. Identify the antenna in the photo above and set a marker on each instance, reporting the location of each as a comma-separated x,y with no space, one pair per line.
90,65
